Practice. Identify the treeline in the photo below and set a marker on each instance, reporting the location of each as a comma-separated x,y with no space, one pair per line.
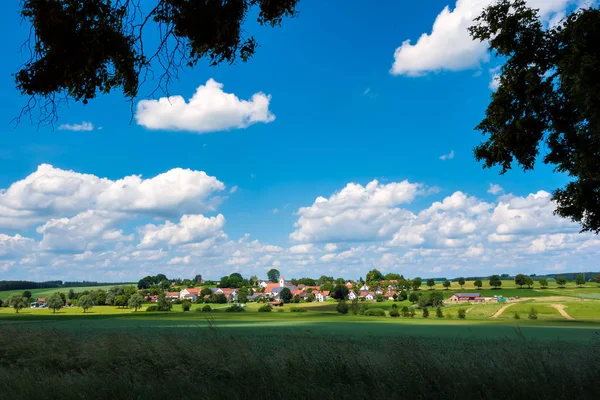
91,283
18,285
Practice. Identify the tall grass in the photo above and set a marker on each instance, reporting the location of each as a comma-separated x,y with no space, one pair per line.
209,364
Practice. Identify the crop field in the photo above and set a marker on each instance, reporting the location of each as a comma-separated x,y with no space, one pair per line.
45,292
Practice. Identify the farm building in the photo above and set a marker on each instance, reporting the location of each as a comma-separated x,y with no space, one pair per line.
461,297
189,294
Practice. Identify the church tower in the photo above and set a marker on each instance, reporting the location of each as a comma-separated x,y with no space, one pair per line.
281,281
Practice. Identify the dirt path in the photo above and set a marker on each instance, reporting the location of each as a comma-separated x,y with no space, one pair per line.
501,310
561,310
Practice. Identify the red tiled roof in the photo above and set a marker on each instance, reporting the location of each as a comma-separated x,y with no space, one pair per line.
193,290
271,286
325,292
171,294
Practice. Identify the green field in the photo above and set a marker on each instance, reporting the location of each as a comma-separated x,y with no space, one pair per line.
45,292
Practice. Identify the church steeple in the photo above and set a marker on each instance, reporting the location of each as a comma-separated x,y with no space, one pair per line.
281,281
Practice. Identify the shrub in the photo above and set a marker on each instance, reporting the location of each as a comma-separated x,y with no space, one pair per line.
517,316
280,310
449,316
152,308
533,314
405,311
235,308
342,307
425,312
206,308
394,312
379,298
375,312
462,314
186,305
412,313
298,309
439,313
265,308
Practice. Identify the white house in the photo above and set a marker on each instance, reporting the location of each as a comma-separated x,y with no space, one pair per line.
263,284
189,294
321,296
370,296
364,287
352,295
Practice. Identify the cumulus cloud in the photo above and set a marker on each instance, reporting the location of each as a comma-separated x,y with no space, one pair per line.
84,126
357,212
191,228
495,189
55,192
448,156
210,109
449,47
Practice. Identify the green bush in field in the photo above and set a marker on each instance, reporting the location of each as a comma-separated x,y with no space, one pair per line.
375,312
413,298
342,307
439,313
517,316
354,307
206,308
186,305
405,312
394,312
298,309
235,308
532,314
462,314
412,313
265,308
280,310
425,312
152,308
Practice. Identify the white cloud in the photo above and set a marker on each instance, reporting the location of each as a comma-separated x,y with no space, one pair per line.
84,126
191,228
179,260
55,192
367,90
331,247
356,212
448,156
275,211
233,190
301,248
495,189
449,46
210,109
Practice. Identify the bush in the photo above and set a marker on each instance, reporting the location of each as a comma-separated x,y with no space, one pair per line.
517,316
186,305
265,308
298,309
206,308
439,313
342,307
425,312
280,310
405,312
462,314
152,308
375,312
235,308
533,314
394,312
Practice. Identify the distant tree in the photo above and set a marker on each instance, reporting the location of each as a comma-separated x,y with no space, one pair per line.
597,279
425,312
430,283
543,283
520,280
461,281
206,308
340,281
205,292
17,302
529,282
392,277
517,316
85,302
374,275
218,298
135,302
121,301
462,314
412,313
71,294
416,283
446,284
163,303
405,312
310,298
342,307
354,308
561,281
243,295
197,279
186,305
340,292
273,275
394,312
580,280
55,302
478,284
533,314
495,281
324,279
27,294
378,298
403,295
439,313
285,295
413,298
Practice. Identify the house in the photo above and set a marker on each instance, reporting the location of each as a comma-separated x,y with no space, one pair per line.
462,297
152,299
272,288
352,295
364,287
312,288
367,295
378,290
37,304
303,295
389,295
263,284
230,294
348,285
189,294
255,297
41,300
172,295
321,296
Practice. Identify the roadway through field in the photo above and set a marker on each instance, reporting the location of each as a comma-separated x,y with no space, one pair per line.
500,311
561,309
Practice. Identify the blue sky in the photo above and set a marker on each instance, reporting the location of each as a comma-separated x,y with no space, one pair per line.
346,103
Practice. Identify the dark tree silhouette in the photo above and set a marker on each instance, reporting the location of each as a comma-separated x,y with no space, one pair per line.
547,100
82,48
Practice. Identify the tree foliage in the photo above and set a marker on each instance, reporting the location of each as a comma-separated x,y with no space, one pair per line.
340,292
80,49
374,275
561,281
416,283
135,302
55,302
520,280
547,99
285,295
430,283
342,307
446,284
17,302
461,281
478,284
85,302
495,281
273,275
580,280
543,283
